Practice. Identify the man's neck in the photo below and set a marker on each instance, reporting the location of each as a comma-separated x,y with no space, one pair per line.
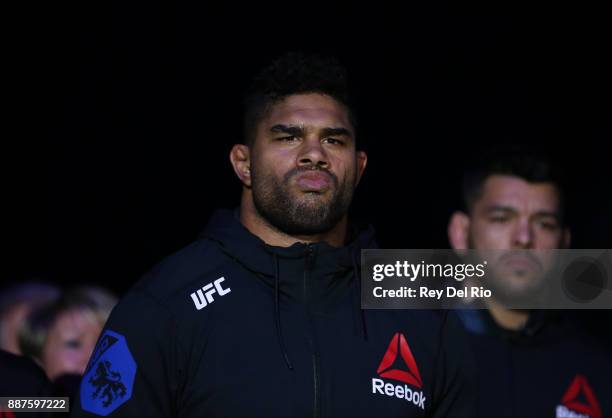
250,218
510,319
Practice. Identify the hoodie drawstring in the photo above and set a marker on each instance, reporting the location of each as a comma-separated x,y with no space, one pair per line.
357,297
279,331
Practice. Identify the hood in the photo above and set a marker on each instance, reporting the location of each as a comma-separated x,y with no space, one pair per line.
249,250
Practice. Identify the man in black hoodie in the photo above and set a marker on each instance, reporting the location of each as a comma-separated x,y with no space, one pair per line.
261,316
532,363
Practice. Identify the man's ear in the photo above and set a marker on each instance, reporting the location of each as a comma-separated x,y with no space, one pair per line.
567,238
362,161
458,230
240,157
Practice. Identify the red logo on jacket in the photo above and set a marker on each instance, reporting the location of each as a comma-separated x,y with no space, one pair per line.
398,345
579,398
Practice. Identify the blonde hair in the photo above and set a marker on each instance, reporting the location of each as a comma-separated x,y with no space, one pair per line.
90,300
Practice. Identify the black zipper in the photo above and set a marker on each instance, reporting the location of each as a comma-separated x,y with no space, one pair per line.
315,366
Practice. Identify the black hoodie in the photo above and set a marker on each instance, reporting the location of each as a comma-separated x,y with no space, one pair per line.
549,368
231,326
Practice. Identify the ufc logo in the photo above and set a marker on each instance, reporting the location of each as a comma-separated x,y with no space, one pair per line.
204,296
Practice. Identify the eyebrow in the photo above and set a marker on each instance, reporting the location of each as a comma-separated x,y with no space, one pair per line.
336,132
498,208
299,131
291,130
546,213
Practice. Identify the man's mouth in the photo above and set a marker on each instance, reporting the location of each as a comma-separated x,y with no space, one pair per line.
314,181
521,262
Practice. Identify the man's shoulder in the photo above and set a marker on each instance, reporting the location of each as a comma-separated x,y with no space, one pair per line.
183,270
180,284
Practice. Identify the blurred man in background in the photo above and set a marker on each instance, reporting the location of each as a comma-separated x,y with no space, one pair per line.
531,363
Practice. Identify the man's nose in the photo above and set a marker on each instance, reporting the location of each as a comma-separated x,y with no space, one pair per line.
523,234
312,154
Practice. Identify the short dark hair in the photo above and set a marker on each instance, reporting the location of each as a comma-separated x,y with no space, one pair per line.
527,163
295,73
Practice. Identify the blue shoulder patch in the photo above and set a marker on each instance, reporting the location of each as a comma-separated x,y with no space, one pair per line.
109,377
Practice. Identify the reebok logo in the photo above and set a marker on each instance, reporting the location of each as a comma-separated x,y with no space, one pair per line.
412,375
579,401
204,296
408,373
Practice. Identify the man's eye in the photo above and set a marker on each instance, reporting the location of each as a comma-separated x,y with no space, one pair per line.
550,226
290,138
499,219
333,141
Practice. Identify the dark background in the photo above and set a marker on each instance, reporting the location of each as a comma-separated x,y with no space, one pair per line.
121,118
